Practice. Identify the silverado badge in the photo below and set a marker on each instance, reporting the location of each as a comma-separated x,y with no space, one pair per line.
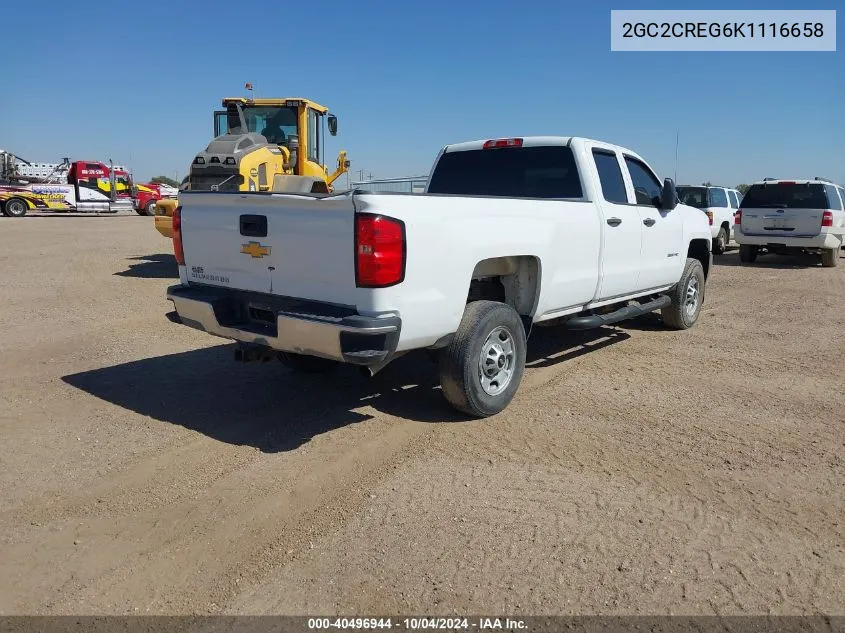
255,249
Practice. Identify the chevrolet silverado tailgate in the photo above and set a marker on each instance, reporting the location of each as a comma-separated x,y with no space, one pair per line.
290,245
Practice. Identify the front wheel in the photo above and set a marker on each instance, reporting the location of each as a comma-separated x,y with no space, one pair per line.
687,298
720,243
748,253
482,367
15,208
830,257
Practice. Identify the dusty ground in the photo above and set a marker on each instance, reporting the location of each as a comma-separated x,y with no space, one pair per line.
638,470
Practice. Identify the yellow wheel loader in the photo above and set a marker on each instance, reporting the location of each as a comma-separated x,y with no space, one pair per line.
273,145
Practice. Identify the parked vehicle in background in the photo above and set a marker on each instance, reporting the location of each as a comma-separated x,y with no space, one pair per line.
720,204
509,233
148,194
792,216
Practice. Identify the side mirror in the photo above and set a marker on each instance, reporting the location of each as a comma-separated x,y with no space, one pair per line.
669,197
332,125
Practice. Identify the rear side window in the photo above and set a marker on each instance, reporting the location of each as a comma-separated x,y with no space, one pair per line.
610,176
785,196
717,197
734,201
833,198
514,172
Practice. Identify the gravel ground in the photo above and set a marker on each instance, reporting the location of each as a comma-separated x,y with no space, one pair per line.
638,470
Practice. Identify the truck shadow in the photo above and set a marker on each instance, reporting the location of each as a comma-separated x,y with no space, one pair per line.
794,262
158,266
274,410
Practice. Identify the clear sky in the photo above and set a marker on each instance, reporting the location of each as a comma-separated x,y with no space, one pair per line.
138,81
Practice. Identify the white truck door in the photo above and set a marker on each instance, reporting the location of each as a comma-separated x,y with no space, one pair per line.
662,258
621,228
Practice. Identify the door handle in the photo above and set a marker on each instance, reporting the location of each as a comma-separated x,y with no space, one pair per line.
614,221
649,221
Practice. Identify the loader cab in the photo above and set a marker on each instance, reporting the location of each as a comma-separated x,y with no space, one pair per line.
299,125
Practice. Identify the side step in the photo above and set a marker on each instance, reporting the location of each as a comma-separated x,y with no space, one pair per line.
622,314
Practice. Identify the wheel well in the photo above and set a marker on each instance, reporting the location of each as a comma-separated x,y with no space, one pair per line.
700,250
514,280
726,225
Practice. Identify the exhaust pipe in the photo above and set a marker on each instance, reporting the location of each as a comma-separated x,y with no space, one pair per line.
253,353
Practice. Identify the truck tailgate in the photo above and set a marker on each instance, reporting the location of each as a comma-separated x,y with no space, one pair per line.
289,245
786,222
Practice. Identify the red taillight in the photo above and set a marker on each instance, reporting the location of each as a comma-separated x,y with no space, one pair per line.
379,251
710,217
177,236
786,182
827,218
503,142
738,216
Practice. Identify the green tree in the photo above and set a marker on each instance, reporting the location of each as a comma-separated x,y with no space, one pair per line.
743,189
164,180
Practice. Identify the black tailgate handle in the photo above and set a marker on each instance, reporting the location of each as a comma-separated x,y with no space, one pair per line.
254,225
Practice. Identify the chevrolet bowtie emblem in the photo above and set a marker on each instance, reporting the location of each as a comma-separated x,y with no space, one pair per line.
255,249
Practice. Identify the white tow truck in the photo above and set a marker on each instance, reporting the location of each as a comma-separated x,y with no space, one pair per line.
509,233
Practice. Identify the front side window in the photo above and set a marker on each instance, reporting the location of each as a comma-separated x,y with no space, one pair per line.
610,176
646,187
718,197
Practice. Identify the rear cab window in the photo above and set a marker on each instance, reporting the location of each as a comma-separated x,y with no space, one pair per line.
547,171
693,196
786,196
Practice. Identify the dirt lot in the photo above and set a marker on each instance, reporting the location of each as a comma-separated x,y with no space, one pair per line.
638,470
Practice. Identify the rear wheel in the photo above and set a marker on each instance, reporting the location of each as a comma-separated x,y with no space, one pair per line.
149,209
482,367
748,253
720,243
306,364
830,257
15,208
687,298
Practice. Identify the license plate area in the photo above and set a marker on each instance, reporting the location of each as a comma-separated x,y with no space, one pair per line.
778,223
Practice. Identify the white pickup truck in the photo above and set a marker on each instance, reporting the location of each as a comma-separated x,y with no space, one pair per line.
509,233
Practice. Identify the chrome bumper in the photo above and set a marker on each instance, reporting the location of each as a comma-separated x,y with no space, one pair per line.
297,326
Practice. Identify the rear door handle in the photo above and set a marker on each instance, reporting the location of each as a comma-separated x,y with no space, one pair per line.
649,221
614,221
253,225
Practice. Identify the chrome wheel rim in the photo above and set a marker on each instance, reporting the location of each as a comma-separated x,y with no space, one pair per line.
496,361
692,296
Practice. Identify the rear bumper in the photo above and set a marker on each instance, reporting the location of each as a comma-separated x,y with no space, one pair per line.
288,324
822,240
164,225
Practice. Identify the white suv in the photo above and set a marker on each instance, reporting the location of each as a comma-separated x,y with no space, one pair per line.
720,204
792,216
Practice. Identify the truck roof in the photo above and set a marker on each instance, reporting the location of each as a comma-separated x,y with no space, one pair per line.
796,181
536,141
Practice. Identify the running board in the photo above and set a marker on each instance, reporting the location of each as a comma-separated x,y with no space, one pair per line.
622,314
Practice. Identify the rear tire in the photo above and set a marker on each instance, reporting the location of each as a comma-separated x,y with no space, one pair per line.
687,298
748,253
302,364
830,257
15,208
481,369
720,242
